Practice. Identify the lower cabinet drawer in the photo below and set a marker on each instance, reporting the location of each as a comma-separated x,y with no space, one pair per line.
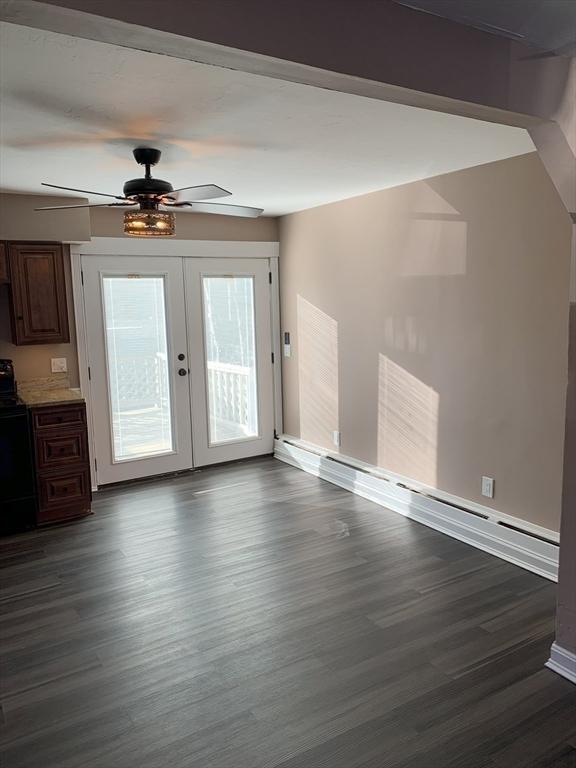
63,495
59,416
61,448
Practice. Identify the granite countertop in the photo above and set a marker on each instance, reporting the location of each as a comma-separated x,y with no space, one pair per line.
51,390
38,397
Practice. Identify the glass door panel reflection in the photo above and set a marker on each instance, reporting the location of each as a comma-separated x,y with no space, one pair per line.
230,347
137,364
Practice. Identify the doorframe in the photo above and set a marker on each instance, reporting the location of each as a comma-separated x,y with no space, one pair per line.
187,249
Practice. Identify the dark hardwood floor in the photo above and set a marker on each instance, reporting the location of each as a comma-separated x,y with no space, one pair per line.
253,616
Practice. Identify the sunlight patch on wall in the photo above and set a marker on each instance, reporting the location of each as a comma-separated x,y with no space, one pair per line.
317,374
407,423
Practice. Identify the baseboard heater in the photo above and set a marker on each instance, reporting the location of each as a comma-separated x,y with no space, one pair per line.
526,545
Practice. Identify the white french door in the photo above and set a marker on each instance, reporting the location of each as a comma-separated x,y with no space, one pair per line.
179,354
136,335
230,344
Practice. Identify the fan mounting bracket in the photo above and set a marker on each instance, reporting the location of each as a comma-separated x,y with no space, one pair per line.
146,155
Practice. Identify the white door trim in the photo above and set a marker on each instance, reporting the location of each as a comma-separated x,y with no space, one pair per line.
212,249
82,352
119,246
276,329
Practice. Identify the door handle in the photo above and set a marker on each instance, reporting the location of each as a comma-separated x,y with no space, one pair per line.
182,372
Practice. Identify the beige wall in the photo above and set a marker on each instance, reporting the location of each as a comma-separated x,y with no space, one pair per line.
567,569
556,144
429,326
19,220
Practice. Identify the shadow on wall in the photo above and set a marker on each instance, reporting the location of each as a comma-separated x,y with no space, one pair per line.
436,240
318,373
407,423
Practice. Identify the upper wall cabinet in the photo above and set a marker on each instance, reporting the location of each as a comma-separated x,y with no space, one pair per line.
38,293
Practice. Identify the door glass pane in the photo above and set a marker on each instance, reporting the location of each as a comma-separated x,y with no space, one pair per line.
136,349
229,334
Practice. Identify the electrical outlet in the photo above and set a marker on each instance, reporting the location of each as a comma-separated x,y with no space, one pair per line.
336,438
59,365
488,487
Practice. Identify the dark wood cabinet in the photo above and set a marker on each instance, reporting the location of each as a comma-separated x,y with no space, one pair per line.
62,463
39,310
63,495
61,448
70,415
4,274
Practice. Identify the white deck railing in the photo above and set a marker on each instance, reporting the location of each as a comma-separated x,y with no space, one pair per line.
141,385
232,397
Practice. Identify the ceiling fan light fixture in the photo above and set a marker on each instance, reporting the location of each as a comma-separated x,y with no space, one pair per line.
149,224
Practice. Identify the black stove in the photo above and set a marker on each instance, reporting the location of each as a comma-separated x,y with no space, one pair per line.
13,404
17,478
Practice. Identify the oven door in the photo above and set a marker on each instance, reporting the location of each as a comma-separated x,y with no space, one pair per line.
17,487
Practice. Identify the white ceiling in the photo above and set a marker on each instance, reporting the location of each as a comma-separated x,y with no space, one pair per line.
73,109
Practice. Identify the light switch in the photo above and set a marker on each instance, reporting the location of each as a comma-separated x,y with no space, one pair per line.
59,365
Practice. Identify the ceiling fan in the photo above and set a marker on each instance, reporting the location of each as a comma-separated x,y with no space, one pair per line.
145,198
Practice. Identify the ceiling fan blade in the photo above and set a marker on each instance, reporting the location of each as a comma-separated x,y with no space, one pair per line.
86,205
85,191
223,209
205,192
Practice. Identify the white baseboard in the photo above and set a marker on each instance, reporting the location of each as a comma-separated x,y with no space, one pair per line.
563,662
486,533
